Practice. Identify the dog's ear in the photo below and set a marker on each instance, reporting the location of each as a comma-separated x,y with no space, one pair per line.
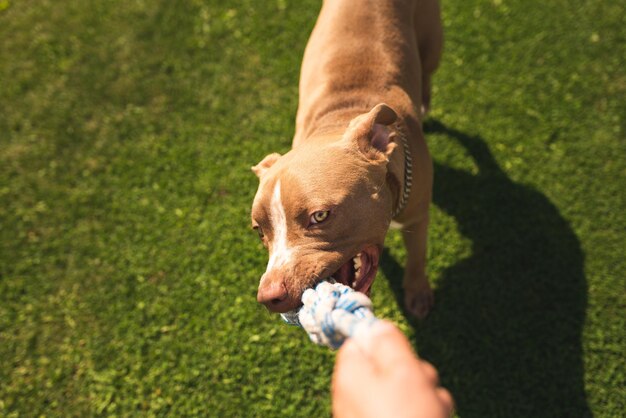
265,164
372,133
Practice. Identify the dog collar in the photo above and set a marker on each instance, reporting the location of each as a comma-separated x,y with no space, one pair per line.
408,173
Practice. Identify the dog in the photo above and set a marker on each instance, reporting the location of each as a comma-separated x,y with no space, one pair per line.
359,162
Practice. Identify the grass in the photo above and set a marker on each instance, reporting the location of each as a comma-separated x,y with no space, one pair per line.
128,271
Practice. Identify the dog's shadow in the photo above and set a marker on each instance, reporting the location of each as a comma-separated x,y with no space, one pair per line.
505,333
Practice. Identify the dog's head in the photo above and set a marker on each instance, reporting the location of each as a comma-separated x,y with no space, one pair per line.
323,210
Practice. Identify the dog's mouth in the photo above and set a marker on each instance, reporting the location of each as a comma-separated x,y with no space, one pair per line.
359,271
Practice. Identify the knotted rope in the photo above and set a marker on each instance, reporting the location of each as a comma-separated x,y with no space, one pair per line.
331,313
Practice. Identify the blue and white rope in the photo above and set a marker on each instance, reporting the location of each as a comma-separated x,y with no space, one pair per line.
331,313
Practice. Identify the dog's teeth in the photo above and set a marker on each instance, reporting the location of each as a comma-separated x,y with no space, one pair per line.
357,262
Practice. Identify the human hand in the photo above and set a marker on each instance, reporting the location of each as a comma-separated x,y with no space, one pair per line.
378,375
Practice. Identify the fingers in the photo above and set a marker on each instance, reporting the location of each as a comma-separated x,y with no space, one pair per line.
446,400
385,346
353,376
350,356
431,377
430,373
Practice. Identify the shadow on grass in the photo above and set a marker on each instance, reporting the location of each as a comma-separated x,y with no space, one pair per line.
505,332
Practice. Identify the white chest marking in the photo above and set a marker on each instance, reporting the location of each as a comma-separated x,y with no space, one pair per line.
396,225
281,253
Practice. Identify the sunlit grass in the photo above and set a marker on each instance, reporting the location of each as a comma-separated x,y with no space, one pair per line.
128,272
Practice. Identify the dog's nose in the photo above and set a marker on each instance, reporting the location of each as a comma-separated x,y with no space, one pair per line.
273,295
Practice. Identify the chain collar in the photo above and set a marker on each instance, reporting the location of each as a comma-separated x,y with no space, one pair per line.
408,172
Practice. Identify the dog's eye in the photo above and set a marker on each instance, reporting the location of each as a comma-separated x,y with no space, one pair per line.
319,216
259,231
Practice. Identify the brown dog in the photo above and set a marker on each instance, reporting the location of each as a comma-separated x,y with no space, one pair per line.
359,160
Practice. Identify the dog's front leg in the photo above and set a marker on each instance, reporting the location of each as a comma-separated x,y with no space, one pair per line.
418,296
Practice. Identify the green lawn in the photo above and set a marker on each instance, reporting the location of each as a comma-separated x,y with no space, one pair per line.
128,271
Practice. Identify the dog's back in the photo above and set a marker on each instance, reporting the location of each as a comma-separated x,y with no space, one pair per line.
364,52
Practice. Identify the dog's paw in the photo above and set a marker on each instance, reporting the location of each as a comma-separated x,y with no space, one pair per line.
418,302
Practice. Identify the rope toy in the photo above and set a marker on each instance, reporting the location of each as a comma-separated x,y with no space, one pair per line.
331,313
